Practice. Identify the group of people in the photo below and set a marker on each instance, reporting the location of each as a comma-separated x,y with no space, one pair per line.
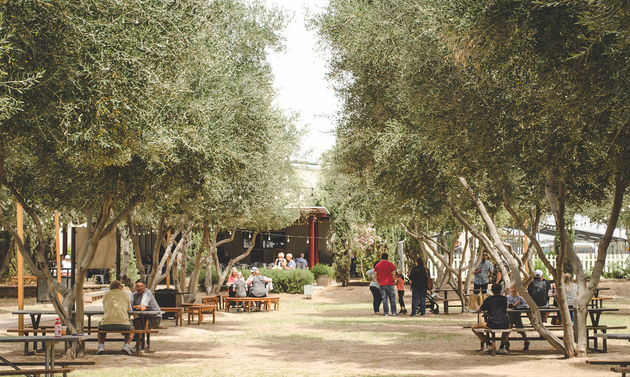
498,317
255,286
117,304
386,280
282,263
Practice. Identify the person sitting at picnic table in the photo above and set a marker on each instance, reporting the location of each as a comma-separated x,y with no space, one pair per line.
142,299
280,262
116,305
303,261
539,290
66,265
230,283
495,307
515,301
290,264
257,283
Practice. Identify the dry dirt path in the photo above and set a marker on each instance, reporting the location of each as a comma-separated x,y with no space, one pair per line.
336,334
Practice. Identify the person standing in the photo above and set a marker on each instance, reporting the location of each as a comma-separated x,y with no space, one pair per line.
481,279
385,274
418,278
376,291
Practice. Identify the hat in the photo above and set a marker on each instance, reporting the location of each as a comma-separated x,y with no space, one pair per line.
253,269
67,257
538,273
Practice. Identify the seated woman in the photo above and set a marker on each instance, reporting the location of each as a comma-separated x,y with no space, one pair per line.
280,262
256,282
230,283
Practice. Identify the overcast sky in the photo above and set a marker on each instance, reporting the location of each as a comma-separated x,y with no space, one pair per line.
300,79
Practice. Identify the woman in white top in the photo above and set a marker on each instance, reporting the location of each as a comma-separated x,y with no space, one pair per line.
570,289
376,291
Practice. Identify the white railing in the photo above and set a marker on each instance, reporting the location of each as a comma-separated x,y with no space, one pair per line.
588,261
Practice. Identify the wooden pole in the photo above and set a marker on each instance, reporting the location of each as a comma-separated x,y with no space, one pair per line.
20,267
58,249
168,260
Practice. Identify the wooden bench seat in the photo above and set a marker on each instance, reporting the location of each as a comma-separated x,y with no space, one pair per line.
28,280
247,302
603,328
179,314
138,337
622,370
621,363
58,363
90,297
200,310
34,372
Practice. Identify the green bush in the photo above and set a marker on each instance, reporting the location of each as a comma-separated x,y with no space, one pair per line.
287,281
617,272
322,269
342,269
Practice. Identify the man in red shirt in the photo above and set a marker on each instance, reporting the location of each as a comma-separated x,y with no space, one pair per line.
385,274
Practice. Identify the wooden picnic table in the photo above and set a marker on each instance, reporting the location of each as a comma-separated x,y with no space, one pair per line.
36,316
213,299
49,344
445,299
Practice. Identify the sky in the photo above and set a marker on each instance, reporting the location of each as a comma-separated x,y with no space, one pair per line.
300,80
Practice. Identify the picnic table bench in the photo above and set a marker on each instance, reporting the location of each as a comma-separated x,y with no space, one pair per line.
248,301
492,334
63,364
35,372
138,336
179,314
445,300
27,280
213,299
49,353
199,310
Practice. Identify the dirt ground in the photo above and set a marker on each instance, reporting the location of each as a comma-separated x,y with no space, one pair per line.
336,334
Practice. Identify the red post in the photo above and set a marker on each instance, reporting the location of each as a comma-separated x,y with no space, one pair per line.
311,236
316,243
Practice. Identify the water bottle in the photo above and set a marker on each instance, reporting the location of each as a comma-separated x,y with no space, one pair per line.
57,328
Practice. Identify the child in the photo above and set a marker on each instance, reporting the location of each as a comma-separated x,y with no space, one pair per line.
240,286
400,285
515,301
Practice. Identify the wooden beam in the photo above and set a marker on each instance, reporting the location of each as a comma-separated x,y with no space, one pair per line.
20,266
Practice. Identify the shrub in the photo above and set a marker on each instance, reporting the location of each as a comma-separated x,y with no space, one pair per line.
322,269
288,281
342,269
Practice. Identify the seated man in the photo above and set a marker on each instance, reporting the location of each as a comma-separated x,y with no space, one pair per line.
290,264
303,261
495,307
539,290
142,299
116,318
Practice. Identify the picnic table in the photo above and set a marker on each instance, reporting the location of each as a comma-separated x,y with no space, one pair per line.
36,316
594,313
445,299
49,344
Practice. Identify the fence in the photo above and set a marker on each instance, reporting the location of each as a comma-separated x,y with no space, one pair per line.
588,261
